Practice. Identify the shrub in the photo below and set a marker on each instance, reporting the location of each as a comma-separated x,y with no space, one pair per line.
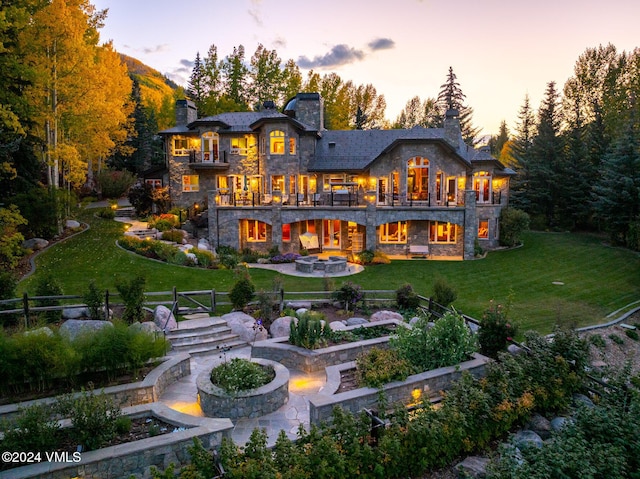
406,297
141,198
378,367
380,257
205,258
631,333
175,236
366,256
94,299
160,225
597,340
132,294
310,331
94,417
34,430
284,258
266,306
240,375
47,285
447,343
241,293
443,292
616,339
513,223
106,213
8,285
114,184
495,331
349,294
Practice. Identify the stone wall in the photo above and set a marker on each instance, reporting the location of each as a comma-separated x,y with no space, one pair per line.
254,403
134,459
399,392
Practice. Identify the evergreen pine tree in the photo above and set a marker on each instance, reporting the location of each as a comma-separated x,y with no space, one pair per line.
195,88
452,98
520,151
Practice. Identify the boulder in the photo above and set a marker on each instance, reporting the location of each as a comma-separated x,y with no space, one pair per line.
148,327
473,467
263,261
75,313
525,438
45,331
515,350
164,318
301,311
473,327
73,328
298,304
245,327
356,321
581,399
414,320
540,425
204,244
385,315
281,327
192,257
559,422
35,244
337,326
72,224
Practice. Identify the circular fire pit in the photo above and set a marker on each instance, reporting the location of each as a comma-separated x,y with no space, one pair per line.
312,264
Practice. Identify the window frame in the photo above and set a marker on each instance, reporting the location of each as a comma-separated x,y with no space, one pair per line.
451,232
190,186
277,140
483,223
259,227
383,233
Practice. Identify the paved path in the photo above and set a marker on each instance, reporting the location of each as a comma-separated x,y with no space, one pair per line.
182,396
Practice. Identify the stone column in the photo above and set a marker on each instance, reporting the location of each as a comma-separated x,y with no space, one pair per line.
212,218
371,238
470,224
276,225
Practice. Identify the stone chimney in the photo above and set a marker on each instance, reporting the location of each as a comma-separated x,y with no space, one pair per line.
307,108
186,112
452,132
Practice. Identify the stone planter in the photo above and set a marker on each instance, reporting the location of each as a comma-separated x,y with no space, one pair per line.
215,402
412,389
311,360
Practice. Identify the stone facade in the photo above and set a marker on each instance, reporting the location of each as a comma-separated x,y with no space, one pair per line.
275,176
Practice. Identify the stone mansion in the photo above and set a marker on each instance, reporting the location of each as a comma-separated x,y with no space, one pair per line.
271,178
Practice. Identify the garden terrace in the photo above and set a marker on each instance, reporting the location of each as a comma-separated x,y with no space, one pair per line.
410,391
310,360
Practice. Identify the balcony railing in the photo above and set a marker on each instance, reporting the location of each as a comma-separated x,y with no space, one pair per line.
208,159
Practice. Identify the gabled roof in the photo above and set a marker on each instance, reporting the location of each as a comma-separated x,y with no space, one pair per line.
356,150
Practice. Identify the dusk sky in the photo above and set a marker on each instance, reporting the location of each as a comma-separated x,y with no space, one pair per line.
500,51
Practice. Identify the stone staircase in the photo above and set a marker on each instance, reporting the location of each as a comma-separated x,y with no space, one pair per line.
202,334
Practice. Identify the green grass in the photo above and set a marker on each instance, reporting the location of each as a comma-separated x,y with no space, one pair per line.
597,279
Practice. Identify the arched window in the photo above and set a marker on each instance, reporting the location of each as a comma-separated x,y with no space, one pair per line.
418,178
276,142
210,142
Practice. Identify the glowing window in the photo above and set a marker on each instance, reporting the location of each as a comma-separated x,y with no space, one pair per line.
256,231
393,232
209,147
276,142
286,232
440,232
292,146
418,178
190,183
483,229
239,146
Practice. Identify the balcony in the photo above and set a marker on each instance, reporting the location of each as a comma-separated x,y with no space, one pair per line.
205,161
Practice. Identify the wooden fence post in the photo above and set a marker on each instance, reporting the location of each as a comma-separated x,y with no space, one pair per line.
106,304
213,300
25,306
281,300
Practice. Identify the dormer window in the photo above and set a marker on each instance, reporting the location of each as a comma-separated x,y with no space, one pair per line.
276,142
210,142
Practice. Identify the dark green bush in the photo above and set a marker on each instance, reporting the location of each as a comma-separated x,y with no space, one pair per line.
94,299
631,333
47,285
94,417
443,293
349,294
407,298
132,294
173,235
242,293
8,285
115,184
597,341
616,339
513,223
206,259
496,330
106,213
240,375
34,430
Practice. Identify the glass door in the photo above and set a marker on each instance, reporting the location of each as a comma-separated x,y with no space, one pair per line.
331,234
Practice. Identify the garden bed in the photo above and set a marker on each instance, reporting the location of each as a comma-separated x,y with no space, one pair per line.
141,392
137,457
215,402
416,387
310,360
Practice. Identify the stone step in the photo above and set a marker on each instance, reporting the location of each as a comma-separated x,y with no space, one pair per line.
199,326
193,337
207,350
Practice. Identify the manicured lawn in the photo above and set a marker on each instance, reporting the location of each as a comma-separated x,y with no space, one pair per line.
597,279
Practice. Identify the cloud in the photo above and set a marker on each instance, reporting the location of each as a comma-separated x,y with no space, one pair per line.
339,55
381,44
163,47
255,12
187,63
279,42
